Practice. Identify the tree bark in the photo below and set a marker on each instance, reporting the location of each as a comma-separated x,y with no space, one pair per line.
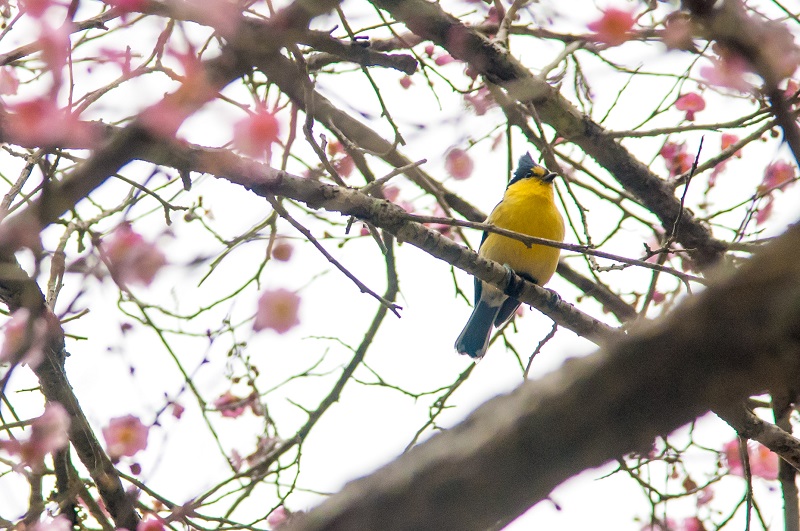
739,337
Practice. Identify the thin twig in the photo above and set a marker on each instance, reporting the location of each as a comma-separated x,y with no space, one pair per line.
307,233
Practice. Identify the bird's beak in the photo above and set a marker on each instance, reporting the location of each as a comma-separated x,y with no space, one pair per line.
549,177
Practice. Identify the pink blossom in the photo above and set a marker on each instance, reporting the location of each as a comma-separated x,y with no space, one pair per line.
59,523
255,134
777,175
718,170
676,158
728,70
405,82
24,342
614,27
236,460
667,525
264,449
177,410
194,73
342,162
165,117
344,165
50,432
282,251
444,59
407,206
458,164
792,87
56,48
150,524
670,524
764,212
335,148
443,229
390,193
481,101
278,310
9,83
278,517
670,149
127,6
230,405
691,102
705,496
498,140
763,462
125,436
40,123
727,141
37,8
492,16
117,57
692,524
130,258
659,297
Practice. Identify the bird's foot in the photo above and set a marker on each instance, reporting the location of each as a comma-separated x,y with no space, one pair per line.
513,284
553,300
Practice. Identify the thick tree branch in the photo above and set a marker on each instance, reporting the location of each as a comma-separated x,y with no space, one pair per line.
739,337
611,301
430,22
335,50
294,83
134,142
749,425
266,181
18,290
129,142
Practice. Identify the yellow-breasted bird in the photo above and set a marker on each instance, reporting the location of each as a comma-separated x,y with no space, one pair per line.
527,207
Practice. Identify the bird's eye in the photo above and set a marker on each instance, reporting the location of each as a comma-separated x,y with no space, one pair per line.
538,171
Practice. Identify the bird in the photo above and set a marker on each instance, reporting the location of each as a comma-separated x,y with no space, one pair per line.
528,207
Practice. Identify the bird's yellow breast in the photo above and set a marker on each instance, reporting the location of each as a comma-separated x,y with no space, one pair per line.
528,207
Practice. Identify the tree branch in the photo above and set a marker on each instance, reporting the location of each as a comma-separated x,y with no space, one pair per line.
739,337
18,290
430,22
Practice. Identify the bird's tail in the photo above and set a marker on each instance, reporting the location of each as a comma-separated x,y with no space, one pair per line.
475,337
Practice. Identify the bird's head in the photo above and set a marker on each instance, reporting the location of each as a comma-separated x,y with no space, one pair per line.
528,169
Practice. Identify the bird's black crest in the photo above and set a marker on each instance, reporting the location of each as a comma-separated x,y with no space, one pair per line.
528,168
